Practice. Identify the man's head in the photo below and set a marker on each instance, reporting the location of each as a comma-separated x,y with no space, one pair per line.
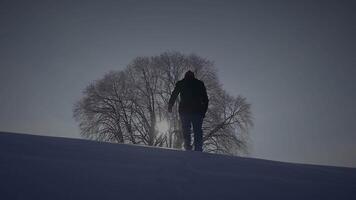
189,75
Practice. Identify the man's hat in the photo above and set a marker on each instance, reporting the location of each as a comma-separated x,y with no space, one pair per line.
189,75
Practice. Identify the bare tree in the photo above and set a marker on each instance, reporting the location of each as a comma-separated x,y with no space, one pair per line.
128,106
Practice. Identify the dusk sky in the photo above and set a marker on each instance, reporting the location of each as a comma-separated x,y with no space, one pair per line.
294,61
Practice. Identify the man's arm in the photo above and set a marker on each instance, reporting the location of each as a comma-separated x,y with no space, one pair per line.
173,98
205,99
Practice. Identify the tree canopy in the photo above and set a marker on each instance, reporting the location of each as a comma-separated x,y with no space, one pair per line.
130,106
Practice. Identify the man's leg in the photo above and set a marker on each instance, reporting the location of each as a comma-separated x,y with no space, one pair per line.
186,128
198,132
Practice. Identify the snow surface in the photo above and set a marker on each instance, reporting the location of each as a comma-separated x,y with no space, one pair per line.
38,167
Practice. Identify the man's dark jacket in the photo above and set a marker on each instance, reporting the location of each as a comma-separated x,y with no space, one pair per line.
193,96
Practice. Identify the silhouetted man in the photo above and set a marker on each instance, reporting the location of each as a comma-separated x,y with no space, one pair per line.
192,108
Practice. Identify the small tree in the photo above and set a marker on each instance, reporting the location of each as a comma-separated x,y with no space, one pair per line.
128,106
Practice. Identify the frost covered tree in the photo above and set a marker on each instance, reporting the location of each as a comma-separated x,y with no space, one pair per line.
130,106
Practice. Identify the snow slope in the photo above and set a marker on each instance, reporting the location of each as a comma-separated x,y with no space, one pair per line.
37,167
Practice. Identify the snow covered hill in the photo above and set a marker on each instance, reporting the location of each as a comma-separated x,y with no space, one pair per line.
37,167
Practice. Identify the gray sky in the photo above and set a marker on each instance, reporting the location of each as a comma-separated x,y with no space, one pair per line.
293,61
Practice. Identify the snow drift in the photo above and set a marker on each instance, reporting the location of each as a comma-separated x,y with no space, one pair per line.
38,167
